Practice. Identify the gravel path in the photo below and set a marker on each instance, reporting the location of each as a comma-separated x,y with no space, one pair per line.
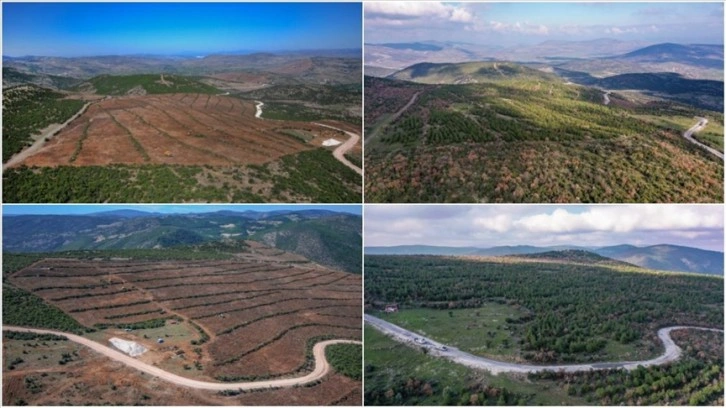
340,151
322,367
688,134
672,352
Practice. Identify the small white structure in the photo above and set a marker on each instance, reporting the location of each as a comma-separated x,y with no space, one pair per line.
129,347
331,142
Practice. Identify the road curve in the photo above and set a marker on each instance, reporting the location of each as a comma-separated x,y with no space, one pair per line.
606,98
40,142
340,151
672,352
688,134
322,367
258,113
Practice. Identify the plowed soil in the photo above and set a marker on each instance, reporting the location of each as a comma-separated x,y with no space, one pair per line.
261,315
187,129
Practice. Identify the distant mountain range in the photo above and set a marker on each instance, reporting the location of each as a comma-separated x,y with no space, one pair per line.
342,66
601,57
661,257
327,237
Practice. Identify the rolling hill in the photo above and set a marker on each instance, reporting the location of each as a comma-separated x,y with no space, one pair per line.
330,238
504,132
467,72
658,257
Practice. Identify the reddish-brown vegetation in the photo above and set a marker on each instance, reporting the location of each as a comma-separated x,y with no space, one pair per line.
260,314
190,129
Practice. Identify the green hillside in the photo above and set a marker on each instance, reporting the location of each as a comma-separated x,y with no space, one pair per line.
527,137
467,73
29,108
335,241
148,83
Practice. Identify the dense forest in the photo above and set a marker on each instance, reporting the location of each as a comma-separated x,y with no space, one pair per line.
309,176
576,313
528,139
696,379
150,83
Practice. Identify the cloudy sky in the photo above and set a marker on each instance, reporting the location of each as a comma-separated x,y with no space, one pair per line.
485,226
510,24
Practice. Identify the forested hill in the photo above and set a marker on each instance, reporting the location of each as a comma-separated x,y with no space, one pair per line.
658,257
468,72
329,238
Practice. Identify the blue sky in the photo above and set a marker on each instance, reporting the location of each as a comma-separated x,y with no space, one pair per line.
35,209
83,29
700,226
510,24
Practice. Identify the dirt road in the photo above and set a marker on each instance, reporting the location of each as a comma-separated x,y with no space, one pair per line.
688,134
672,352
322,367
394,117
340,151
40,142
606,98
259,106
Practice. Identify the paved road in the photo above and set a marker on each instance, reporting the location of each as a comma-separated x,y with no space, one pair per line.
688,134
340,151
40,141
322,367
672,352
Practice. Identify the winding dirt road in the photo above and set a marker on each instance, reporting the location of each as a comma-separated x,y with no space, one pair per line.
606,98
688,134
322,367
672,352
339,152
40,141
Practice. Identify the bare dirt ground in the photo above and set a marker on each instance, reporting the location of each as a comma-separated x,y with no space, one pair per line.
260,311
41,139
191,129
93,377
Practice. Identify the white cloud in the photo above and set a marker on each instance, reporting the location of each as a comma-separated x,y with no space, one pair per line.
622,219
498,223
429,10
585,225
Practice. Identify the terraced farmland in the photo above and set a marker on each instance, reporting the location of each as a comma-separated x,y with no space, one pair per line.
253,318
186,129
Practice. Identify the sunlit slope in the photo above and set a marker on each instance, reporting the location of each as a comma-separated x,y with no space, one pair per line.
526,137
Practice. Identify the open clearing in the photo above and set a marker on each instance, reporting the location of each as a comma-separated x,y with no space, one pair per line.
483,331
187,129
248,320
672,352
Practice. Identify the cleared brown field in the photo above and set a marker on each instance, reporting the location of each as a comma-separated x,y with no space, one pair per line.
260,315
91,377
187,129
